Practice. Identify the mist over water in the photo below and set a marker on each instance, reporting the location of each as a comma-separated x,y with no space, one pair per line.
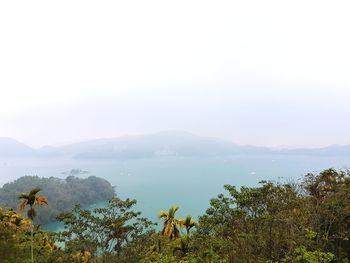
168,102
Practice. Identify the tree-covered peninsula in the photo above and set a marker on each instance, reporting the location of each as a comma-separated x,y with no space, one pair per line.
274,222
63,194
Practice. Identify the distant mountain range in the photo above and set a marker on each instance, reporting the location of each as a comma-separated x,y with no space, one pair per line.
155,145
13,148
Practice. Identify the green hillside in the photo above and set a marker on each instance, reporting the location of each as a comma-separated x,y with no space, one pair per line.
63,194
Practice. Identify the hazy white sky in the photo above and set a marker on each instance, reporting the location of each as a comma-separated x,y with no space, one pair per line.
254,72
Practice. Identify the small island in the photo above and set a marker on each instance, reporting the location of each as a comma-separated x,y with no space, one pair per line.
63,194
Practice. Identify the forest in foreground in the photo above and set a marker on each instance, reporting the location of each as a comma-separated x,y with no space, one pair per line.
296,222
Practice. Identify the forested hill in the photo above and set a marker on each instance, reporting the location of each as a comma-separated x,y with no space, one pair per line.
63,194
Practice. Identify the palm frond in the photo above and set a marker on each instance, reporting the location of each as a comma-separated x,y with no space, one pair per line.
40,200
171,224
168,229
163,214
22,204
172,211
34,191
23,196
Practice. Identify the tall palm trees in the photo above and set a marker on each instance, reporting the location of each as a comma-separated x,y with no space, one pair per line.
188,223
172,225
31,199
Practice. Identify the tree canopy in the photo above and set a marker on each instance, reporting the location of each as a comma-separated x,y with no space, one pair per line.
63,194
304,222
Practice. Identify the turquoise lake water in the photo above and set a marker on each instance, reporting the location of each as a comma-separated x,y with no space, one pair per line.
189,183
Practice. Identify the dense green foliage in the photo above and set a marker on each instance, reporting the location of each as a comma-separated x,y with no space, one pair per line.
63,195
307,222
15,240
281,222
105,231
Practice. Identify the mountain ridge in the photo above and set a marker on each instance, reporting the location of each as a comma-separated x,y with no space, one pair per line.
12,147
167,143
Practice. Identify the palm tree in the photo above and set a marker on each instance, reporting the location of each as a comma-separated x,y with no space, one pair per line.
171,224
187,223
31,199
118,233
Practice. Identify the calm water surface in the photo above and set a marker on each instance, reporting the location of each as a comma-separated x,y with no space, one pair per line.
159,183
